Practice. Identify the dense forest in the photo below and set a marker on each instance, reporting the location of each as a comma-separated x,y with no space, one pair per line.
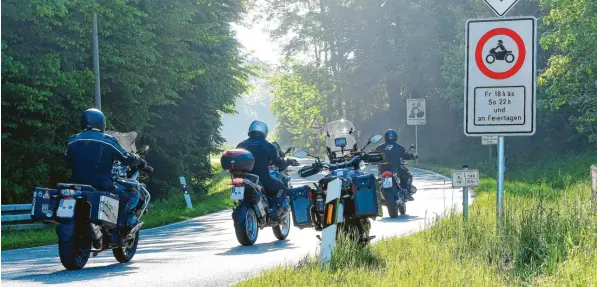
366,57
169,70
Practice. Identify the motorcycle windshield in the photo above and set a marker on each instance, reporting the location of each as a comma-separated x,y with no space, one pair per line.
340,134
126,140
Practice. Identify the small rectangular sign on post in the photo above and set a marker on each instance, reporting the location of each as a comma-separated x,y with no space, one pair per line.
489,140
465,178
415,112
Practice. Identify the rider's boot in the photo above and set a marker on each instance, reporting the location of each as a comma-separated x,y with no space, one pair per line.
278,205
408,194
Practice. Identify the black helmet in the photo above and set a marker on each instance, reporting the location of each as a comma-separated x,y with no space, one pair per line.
258,129
500,42
93,119
391,136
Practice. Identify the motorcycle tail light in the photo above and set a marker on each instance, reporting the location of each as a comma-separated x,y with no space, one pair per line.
68,197
386,174
237,181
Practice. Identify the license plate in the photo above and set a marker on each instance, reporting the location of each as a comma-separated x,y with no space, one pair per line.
66,209
387,182
238,193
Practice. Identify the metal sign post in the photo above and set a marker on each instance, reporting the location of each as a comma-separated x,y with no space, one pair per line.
489,141
465,178
416,116
187,196
500,78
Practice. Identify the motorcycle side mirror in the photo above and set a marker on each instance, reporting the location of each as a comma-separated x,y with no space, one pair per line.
301,154
375,138
289,150
412,146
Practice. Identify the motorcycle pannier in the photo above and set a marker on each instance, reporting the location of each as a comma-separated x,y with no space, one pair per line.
104,208
237,160
44,205
365,199
301,207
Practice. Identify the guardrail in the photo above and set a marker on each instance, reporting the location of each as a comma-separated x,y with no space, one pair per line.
18,217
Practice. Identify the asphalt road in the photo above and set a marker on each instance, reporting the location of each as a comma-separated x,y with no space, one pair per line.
204,251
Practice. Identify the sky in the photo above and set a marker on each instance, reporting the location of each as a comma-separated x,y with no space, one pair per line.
254,106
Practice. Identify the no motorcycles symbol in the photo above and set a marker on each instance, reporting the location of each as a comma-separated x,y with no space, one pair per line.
486,58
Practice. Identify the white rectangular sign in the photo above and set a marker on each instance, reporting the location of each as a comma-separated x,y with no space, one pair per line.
499,92
465,178
415,112
489,140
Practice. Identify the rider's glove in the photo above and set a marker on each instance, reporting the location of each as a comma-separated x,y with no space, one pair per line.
143,164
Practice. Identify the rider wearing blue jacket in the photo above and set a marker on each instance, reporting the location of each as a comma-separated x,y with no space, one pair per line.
264,153
92,153
394,154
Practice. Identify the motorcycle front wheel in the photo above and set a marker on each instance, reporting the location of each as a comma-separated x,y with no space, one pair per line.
246,226
282,230
402,208
125,254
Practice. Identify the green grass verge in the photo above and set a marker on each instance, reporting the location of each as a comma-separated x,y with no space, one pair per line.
549,238
162,212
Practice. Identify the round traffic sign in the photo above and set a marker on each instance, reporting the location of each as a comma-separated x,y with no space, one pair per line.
515,68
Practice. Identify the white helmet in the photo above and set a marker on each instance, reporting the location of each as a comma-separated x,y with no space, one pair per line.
258,129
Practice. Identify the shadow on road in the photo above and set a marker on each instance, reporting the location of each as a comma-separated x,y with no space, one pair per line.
404,218
259,248
86,274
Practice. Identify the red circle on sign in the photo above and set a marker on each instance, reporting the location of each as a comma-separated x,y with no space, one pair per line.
479,54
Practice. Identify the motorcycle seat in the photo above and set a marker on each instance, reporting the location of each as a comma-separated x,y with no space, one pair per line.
76,186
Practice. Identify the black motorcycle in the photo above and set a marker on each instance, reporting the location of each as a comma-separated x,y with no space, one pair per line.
501,56
251,208
393,194
91,221
346,197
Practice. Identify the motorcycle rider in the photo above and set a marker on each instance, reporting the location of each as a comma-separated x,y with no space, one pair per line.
91,155
266,153
394,154
500,46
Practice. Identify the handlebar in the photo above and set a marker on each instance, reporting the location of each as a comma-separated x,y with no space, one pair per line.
352,163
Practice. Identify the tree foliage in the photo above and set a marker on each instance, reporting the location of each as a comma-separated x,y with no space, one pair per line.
367,57
169,69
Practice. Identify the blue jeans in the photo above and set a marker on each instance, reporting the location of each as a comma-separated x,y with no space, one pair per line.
128,201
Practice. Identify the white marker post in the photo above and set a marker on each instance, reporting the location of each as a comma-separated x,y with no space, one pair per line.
500,78
416,116
465,178
328,235
187,196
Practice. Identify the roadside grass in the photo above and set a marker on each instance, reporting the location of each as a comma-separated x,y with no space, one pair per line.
161,212
549,238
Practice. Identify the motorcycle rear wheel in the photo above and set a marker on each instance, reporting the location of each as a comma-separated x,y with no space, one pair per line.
246,226
125,254
391,202
74,252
